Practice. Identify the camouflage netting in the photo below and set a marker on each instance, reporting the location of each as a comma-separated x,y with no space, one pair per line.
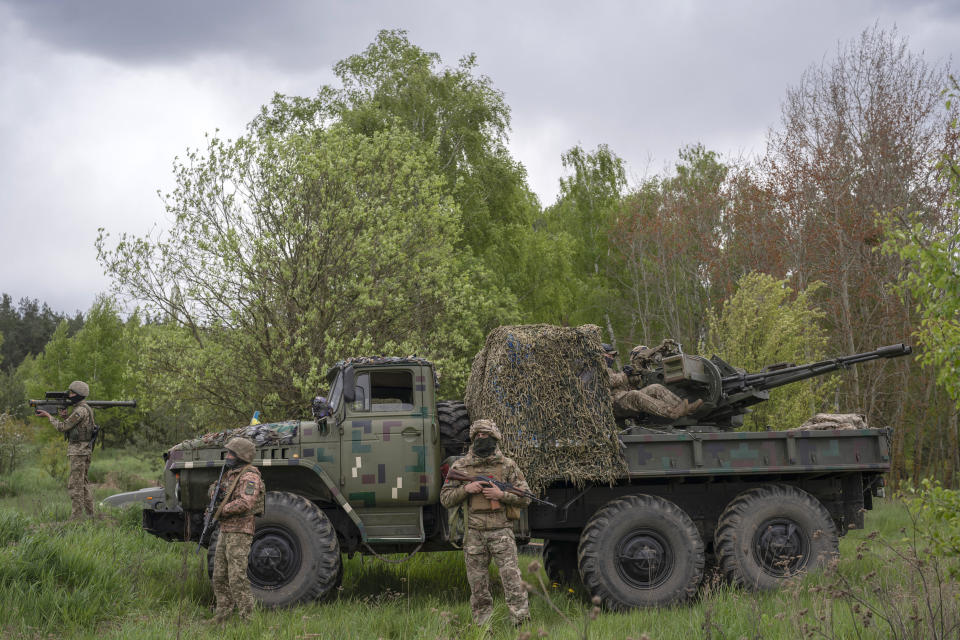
262,435
546,387
823,421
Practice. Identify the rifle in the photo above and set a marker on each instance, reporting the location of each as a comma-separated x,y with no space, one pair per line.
211,509
506,487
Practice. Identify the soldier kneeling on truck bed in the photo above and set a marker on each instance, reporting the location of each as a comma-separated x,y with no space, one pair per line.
243,498
489,528
655,399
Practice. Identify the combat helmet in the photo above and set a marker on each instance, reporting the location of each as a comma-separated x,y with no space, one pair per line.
488,427
80,388
242,448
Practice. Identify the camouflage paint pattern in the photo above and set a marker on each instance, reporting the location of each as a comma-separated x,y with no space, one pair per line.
78,486
231,587
480,546
385,454
726,453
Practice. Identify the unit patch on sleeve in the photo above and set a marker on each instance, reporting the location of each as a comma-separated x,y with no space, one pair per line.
251,488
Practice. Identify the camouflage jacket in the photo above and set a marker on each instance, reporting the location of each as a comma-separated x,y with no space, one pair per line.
237,510
78,428
480,512
621,383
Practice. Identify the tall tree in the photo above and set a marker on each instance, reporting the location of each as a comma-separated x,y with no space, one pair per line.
292,248
664,239
931,281
860,135
589,199
465,120
28,326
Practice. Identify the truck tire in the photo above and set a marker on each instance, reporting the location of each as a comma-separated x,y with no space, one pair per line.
454,427
560,562
769,533
294,556
640,551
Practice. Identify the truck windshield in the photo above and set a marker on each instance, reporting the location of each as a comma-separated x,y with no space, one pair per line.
335,392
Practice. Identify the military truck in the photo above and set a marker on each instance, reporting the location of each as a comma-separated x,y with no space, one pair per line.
364,476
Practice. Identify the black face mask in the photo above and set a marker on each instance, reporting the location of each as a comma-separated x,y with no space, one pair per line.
74,399
484,447
231,462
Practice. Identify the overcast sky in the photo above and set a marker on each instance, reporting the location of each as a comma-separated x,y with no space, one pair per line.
98,97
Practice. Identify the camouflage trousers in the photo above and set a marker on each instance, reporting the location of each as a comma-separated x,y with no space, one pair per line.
81,498
479,546
230,584
654,399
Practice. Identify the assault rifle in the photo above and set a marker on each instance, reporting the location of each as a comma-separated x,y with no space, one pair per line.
56,401
211,509
506,487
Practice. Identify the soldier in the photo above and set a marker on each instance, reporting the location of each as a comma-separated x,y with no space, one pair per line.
78,429
489,531
243,497
654,399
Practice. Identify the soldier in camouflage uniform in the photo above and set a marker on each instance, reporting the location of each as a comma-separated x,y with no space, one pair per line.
655,399
78,429
489,532
242,498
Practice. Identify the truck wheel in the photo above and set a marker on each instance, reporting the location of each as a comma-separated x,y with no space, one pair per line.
641,551
560,562
454,427
767,534
294,556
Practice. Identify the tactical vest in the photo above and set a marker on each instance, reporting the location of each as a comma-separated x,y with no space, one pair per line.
259,506
83,430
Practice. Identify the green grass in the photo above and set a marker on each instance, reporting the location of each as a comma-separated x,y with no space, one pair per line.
106,579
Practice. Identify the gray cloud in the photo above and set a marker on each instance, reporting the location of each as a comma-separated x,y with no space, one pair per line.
97,97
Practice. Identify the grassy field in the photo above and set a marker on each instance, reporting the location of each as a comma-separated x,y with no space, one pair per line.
104,578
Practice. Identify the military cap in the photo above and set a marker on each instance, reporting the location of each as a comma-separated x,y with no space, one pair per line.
488,427
242,448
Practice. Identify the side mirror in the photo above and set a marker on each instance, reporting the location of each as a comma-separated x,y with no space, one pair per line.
349,391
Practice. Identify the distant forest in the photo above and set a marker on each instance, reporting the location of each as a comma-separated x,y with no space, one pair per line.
386,215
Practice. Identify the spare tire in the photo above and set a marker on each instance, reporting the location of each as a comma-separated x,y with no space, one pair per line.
454,427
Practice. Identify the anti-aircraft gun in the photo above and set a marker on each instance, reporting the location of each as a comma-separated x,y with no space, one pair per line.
728,392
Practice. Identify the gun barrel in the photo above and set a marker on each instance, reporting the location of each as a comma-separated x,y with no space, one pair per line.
779,377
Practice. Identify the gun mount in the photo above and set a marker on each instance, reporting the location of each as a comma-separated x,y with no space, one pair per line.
728,392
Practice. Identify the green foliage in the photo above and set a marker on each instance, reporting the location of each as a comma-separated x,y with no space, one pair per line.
765,322
13,437
931,274
26,327
103,353
53,459
13,393
579,221
291,250
937,513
